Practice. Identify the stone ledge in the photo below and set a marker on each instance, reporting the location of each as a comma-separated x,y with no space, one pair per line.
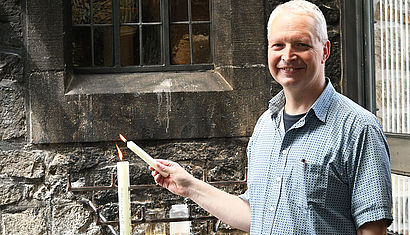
147,83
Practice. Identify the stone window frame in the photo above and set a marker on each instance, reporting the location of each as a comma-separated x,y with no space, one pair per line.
65,107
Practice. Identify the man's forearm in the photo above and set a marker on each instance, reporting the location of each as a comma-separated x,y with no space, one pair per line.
228,208
378,227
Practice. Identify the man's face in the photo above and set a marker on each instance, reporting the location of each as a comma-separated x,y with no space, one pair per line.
296,56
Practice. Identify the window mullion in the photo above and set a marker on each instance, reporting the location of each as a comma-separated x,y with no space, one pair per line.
191,43
92,33
140,32
211,36
116,32
165,33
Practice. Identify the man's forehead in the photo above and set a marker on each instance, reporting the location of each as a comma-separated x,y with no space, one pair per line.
291,36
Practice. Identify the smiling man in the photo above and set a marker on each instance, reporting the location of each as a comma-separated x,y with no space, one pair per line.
317,162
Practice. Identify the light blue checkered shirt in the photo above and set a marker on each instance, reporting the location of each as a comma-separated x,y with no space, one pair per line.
328,174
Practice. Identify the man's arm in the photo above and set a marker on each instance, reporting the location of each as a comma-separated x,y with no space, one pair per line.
378,227
228,208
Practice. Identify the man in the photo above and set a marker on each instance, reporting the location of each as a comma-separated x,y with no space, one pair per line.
318,163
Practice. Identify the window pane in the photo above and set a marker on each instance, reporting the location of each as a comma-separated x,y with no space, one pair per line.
81,46
103,46
129,46
392,55
129,11
180,48
151,11
80,12
178,10
200,9
152,44
202,48
102,11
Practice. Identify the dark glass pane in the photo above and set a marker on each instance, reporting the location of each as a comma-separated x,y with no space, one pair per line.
129,11
151,39
102,11
103,46
81,46
129,40
178,10
180,52
201,44
80,12
200,9
151,11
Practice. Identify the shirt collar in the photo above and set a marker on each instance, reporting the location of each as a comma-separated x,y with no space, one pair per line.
322,104
320,108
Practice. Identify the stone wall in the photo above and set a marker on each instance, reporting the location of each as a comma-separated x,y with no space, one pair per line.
33,197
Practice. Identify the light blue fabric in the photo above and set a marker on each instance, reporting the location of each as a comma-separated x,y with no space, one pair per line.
328,174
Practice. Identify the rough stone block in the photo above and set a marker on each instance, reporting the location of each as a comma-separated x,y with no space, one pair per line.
11,67
31,221
21,163
12,110
73,219
11,31
9,192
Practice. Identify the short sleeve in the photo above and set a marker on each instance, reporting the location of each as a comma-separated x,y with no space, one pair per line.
245,196
370,176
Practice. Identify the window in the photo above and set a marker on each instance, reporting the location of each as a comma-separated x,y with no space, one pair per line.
82,105
141,35
393,65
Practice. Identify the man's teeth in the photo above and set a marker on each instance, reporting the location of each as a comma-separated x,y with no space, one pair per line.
289,69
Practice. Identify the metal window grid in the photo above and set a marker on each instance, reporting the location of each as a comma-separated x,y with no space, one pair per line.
165,41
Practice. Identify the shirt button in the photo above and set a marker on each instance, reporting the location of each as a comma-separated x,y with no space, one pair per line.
271,208
284,152
278,179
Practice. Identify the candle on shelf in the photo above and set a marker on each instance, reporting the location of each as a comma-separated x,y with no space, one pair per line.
143,155
124,211
179,228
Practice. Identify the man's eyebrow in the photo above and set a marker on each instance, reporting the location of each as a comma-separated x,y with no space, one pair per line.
301,39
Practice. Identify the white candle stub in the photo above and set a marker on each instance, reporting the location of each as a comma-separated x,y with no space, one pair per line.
124,211
145,156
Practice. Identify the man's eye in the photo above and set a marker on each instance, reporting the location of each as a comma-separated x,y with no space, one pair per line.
302,45
277,45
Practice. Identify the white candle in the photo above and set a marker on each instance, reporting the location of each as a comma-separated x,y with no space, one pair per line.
124,197
145,156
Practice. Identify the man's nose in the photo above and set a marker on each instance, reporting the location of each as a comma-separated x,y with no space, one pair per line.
288,54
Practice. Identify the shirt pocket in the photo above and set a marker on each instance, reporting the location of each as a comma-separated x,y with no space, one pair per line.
316,180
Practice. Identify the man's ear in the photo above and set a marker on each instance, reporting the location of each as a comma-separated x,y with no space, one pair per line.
326,51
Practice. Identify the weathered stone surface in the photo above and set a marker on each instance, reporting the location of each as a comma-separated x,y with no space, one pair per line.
9,192
12,110
11,66
11,32
20,163
45,35
169,115
73,219
31,221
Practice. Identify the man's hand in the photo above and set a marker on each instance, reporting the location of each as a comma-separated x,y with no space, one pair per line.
178,181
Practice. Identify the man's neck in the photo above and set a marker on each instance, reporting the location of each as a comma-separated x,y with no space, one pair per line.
300,101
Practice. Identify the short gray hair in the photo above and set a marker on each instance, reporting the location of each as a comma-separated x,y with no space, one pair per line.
303,7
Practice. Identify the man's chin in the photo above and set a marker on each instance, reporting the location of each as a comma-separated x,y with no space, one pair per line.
288,80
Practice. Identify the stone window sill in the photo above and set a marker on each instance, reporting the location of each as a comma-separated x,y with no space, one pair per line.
140,83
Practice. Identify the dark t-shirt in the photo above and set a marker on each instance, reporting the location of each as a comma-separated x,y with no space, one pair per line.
289,120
